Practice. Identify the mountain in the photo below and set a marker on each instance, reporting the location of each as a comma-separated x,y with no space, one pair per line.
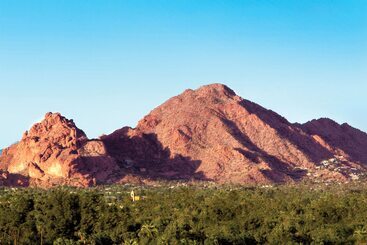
205,134
56,152
213,134
342,140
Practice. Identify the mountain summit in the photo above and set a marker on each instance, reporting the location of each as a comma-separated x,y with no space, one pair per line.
205,134
212,133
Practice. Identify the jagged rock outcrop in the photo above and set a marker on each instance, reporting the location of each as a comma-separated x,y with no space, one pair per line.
55,151
211,133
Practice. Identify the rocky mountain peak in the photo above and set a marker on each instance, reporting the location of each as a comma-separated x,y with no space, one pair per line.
54,151
215,90
54,126
209,133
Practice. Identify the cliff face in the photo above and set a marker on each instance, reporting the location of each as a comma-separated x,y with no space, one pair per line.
55,151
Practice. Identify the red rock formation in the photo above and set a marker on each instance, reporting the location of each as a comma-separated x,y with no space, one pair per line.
55,151
211,133
207,134
342,140
8,179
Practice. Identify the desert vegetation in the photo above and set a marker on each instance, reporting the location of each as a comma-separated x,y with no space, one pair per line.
182,214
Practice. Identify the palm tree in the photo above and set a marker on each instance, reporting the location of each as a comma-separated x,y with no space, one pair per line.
361,234
130,242
148,231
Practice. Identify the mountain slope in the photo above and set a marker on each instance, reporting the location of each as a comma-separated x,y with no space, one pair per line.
206,134
211,133
343,140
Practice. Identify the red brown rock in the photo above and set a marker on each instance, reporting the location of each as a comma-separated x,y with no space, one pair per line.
205,134
56,151
211,133
8,179
342,140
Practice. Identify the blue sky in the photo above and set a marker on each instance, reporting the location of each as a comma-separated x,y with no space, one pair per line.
107,63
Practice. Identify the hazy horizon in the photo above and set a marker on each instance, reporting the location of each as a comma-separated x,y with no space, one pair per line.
106,64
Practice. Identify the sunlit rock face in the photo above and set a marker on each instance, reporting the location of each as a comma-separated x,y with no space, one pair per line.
55,149
212,133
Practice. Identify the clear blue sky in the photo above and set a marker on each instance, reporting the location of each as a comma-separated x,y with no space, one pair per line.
107,63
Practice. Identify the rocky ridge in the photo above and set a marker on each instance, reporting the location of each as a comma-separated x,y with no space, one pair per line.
213,134
205,134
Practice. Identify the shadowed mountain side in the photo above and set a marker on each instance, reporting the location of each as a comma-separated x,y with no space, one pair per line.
279,171
343,139
302,141
9,179
145,156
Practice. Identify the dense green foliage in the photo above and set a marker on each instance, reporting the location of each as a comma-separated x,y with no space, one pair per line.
184,215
